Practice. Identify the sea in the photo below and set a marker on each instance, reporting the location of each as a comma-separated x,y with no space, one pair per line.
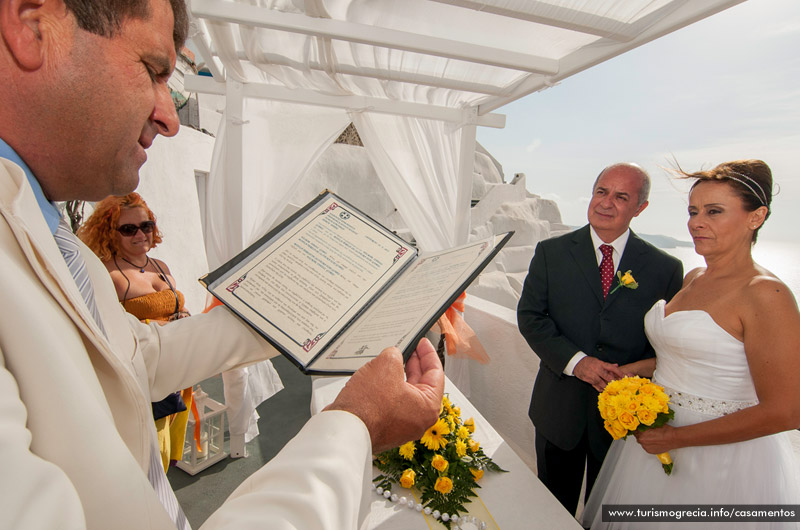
782,258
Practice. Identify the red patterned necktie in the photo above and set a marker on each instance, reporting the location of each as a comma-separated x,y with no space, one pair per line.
606,267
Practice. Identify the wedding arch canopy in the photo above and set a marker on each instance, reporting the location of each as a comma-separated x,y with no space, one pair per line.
416,77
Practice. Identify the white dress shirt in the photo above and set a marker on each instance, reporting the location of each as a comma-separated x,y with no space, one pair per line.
619,248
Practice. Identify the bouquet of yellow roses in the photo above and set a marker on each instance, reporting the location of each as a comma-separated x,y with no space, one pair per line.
635,404
444,465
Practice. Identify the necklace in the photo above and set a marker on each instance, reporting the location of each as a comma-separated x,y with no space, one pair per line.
140,267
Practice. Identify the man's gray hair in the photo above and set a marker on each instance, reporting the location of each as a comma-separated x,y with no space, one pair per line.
644,190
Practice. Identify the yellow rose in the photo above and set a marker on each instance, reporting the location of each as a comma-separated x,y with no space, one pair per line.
624,280
407,478
615,429
440,463
443,485
628,421
609,413
461,448
627,280
646,416
457,411
648,389
477,473
663,400
474,446
612,388
470,424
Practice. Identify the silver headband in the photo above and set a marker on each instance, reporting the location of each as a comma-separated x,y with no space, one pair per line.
762,197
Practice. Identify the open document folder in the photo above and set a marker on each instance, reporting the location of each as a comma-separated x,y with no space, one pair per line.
330,288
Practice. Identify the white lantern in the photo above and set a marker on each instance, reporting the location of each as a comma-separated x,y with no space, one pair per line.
205,434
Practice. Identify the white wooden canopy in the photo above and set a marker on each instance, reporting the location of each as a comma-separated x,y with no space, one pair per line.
415,76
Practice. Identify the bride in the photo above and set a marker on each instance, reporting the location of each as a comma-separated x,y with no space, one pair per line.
727,348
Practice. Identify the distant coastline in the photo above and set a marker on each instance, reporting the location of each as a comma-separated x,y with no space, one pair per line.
665,241
658,240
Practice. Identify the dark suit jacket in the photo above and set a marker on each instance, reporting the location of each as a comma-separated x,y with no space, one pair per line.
562,311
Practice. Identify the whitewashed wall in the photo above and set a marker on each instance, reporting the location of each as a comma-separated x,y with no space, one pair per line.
167,184
501,390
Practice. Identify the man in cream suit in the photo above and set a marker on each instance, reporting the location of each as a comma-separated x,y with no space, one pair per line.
83,96
585,334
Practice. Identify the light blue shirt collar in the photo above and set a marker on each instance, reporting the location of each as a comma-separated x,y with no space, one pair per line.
48,208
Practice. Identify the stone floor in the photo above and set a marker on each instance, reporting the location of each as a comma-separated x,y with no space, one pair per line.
281,417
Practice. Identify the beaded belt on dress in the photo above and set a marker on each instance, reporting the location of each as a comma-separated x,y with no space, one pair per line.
704,405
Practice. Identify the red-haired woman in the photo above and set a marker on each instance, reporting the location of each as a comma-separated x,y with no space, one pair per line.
121,231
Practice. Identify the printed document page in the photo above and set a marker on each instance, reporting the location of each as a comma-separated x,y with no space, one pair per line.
408,305
302,287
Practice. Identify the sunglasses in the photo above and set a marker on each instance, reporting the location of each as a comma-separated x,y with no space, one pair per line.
129,230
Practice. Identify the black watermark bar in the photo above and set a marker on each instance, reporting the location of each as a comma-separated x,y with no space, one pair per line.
701,513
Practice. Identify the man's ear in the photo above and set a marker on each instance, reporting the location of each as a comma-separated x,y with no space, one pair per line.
21,27
641,208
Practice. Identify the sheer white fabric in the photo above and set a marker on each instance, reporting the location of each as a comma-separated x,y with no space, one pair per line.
417,162
279,144
698,358
514,48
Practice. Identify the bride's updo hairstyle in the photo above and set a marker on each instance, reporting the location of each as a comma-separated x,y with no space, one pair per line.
750,179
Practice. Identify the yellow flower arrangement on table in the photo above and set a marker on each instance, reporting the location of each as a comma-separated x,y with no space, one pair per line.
635,404
444,465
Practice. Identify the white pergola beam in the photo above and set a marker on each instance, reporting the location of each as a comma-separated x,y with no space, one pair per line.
560,17
202,84
377,73
683,14
376,36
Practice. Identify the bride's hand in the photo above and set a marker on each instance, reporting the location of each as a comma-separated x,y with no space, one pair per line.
658,440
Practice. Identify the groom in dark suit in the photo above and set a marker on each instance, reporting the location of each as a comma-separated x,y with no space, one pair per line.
584,336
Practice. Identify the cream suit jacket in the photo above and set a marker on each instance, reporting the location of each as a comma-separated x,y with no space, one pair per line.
76,427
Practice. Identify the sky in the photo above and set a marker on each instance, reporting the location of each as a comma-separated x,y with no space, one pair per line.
724,88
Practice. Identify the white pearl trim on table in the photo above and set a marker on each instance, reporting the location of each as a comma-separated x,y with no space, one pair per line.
459,522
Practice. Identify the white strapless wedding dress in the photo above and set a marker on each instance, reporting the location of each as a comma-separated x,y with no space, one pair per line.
705,371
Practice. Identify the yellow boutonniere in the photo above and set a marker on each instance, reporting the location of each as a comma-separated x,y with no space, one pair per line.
624,280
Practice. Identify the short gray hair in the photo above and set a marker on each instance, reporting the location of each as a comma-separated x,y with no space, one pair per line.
644,190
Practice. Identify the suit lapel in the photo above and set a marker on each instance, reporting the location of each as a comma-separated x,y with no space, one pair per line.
38,245
586,260
633,259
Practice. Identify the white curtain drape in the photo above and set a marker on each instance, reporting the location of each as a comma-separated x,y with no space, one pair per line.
279,143
417,162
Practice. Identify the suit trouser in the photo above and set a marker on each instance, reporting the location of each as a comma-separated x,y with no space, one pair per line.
561,471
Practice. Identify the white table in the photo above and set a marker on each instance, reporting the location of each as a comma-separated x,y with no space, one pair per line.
515,500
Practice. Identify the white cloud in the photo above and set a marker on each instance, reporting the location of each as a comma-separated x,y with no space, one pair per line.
534,145
553,197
